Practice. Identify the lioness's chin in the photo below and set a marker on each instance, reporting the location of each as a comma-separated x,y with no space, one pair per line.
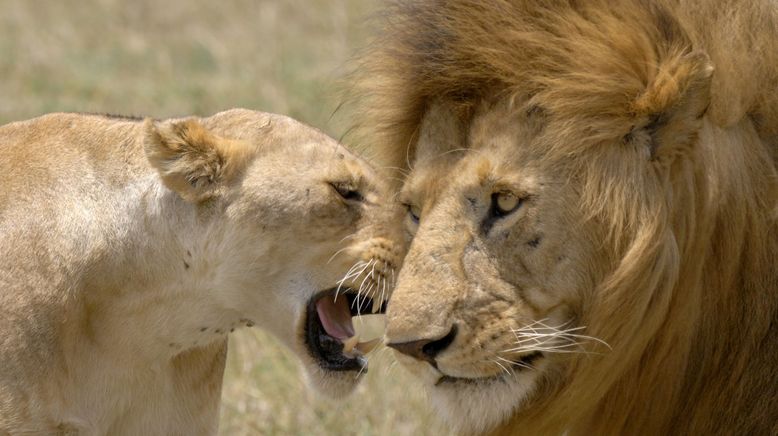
478,405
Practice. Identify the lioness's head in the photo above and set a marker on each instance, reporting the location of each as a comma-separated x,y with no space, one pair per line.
295,235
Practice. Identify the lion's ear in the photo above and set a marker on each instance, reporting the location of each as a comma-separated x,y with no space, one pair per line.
191,160
669,113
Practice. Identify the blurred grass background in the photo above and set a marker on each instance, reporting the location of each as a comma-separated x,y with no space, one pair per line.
179,57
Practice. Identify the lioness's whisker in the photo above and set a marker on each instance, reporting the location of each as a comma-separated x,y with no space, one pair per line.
362,290
353,271
359,289
336,253
369,289
361,286
348,237
348,276
383,289
366,294
372,271
362,369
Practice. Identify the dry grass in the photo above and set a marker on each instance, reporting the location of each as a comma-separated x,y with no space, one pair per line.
174,57
177,57
265,394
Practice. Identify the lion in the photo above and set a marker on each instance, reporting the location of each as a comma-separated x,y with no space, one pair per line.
130,249
591,197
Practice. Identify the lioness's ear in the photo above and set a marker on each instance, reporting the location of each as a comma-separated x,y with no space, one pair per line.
669,113
192,161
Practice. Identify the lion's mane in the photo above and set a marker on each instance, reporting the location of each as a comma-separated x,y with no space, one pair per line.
693,303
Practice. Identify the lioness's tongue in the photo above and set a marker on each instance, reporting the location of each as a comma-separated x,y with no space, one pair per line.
335,317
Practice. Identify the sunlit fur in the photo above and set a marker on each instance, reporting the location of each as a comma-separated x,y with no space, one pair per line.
664,117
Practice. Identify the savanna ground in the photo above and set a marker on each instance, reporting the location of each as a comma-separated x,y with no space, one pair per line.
179,57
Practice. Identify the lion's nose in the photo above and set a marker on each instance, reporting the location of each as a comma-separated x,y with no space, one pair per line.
426,349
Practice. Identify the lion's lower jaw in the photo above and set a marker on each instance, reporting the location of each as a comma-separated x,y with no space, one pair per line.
475,408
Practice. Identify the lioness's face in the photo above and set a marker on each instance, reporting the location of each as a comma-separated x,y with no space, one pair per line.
308,247
488,297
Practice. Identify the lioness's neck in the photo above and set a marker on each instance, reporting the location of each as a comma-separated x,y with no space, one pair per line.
151,295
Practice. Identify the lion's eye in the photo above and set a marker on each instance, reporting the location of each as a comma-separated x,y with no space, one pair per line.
347,191
413,212
504,203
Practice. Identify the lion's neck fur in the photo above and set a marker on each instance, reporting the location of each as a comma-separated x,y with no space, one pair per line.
709,327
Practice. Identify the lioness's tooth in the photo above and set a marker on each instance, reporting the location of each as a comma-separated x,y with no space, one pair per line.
366,347
376,305
349,344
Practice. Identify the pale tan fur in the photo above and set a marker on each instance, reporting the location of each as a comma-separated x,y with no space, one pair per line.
642,137
129,250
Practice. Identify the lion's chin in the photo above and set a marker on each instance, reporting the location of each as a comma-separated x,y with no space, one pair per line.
476,405
479,406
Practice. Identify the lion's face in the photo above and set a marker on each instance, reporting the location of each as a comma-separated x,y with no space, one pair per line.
301,228
579,172
488,299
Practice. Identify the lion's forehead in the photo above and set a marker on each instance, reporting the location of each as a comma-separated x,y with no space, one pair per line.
474,174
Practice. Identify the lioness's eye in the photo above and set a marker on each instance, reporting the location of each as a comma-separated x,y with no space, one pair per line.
347,191
504,203
413,212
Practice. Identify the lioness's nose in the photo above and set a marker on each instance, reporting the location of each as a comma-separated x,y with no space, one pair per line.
426,349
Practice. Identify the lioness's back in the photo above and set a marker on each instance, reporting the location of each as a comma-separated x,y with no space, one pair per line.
53,154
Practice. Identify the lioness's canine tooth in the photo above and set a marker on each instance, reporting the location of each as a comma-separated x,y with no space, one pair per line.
366,347
376,305
349,344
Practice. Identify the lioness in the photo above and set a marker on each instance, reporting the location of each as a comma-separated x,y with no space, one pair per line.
129,250
592,202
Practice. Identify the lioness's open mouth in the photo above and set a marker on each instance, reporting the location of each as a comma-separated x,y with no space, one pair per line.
329,332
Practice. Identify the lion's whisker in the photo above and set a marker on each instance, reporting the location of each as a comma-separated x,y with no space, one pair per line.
515,363
512,363
504,369
538,337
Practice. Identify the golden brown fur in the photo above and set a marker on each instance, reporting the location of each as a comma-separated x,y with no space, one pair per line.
129,250
645,138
